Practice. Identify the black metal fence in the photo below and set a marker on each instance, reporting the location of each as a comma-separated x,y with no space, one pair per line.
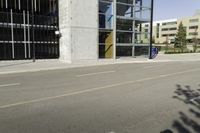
17,38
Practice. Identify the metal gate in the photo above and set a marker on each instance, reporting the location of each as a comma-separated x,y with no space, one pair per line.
27,29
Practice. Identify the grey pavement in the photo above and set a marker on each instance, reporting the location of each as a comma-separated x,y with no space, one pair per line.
115,98
20,66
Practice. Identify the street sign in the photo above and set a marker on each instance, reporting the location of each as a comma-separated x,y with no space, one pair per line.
154,52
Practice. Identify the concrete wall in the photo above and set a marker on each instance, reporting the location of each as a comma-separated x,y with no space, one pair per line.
79,29
84,29
65,29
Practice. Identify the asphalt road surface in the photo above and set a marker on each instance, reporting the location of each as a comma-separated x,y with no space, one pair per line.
125,98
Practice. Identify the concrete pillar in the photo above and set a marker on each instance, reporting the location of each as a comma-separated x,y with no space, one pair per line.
65,30
84,28
114,28
79,29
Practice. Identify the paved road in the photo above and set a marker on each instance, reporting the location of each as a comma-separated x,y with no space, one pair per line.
125,98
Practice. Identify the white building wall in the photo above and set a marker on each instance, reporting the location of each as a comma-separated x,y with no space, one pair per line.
84,29
65,30
79,29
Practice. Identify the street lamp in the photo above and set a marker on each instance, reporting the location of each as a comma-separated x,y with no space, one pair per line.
58,33
151,30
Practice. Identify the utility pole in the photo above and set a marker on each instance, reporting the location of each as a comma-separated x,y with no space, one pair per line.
151,30
33,32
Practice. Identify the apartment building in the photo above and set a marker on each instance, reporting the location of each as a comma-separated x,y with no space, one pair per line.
73,30
166,30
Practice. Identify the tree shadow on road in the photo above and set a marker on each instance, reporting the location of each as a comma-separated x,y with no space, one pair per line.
188,122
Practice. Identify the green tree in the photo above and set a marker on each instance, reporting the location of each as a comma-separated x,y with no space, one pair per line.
195,40
180,40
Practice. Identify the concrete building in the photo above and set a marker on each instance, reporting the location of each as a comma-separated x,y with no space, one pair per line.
85,29
166,30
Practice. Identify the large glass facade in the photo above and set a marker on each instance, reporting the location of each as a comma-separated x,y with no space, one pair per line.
26,25
121,29
105,28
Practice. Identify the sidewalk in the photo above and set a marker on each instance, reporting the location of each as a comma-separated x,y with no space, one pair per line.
8,67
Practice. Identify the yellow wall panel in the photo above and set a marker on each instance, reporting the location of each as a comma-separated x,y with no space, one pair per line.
108,46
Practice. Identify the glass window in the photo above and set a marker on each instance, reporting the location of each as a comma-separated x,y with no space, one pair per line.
194,20
194,27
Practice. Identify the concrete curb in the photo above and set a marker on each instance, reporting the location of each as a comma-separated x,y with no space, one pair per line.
90,65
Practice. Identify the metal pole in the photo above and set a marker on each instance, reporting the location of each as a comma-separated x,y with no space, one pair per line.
133,30
12,35
114,28
33,32
29,40
25,49
151,30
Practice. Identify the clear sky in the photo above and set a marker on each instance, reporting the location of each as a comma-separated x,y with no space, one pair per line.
167,9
